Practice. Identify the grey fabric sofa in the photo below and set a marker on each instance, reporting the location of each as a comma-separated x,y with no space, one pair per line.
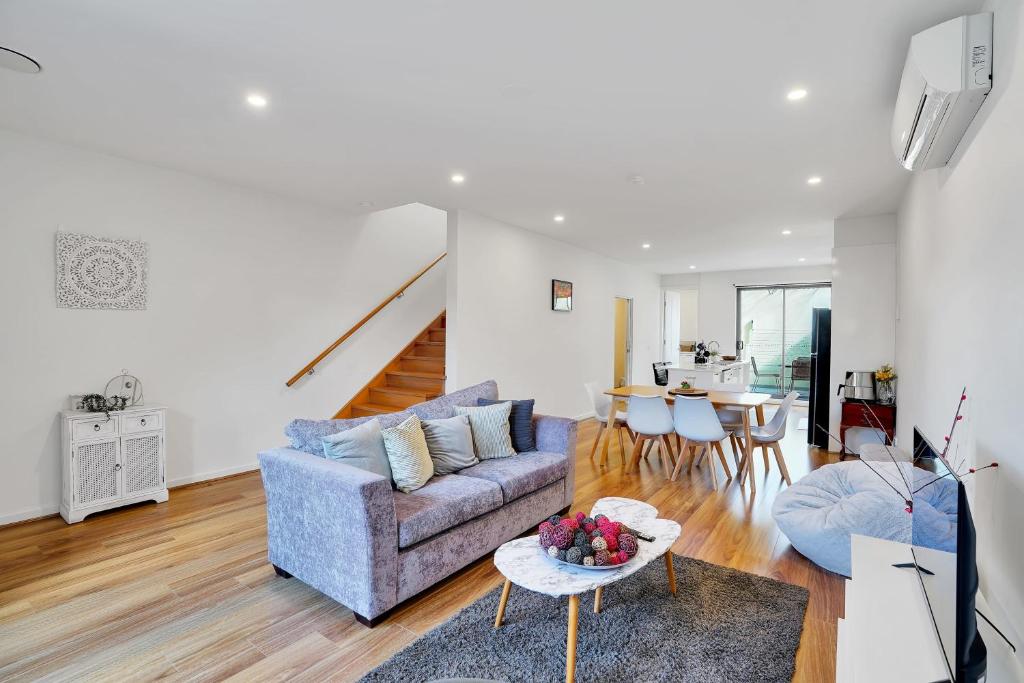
347,533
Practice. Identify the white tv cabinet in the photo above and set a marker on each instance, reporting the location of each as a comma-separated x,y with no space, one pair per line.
887,633
112,461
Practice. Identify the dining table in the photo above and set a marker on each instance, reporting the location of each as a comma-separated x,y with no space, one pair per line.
743,401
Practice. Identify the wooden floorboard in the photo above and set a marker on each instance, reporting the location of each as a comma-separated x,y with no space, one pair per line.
183,591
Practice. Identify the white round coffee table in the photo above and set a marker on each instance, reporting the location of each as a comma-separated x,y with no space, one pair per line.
524,563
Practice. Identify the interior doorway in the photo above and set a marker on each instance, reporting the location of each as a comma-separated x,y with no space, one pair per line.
679,324
623,364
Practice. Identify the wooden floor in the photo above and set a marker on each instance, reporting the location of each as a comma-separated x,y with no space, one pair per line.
183,590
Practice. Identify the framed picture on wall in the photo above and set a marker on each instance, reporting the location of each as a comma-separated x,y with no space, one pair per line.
561,295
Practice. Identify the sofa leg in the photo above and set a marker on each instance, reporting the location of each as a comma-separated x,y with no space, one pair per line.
369,623
280,572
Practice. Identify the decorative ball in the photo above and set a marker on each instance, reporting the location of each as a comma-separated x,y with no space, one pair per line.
587,550
561,555
589,526
588,561
628,543
601,558
623,556
589,520
614,559
562,537
580,517
570,523
581,541
612,543
547,536
574,556
598,519
554,519
553,551
596,533
545,525
599,544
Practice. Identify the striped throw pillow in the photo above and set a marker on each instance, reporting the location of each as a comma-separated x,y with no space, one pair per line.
411,466
491,437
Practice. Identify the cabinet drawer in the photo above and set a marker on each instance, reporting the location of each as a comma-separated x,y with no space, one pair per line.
141,422
859,415
94,429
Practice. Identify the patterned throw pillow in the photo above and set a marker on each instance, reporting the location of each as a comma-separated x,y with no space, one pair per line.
491,436
411,466
520,423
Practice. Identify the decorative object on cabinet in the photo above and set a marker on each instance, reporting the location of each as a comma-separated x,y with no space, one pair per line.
885,384
561,295
701,354
110,460
127,387
95,403
97,272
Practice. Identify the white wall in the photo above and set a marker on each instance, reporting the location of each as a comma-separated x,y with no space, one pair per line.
716,315
863,307
504,327
960,299
244,289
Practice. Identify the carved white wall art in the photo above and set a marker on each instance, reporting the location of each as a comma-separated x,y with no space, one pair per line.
95,272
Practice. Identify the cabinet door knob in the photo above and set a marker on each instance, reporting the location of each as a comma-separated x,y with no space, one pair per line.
117,467
143,422
95,428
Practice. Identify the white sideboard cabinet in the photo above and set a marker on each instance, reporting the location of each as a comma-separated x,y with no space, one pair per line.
114,460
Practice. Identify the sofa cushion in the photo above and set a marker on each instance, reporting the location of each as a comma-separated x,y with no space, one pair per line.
441,504
489,424
520,474
361,447
308,435
520,423
450,442
411,466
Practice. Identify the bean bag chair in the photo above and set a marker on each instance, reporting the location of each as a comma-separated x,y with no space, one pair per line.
819,512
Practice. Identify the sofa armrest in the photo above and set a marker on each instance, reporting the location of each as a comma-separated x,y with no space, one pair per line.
334,527
558,435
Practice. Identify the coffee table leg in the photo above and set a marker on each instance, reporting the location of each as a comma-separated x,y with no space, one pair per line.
670,568
570,640
504,601
597,599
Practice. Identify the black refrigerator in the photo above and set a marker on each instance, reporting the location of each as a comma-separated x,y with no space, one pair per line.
817,404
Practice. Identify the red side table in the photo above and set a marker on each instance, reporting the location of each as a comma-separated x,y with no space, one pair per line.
870,415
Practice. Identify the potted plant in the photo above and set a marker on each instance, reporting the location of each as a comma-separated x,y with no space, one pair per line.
885,384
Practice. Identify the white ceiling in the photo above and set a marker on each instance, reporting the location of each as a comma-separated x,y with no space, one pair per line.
547,107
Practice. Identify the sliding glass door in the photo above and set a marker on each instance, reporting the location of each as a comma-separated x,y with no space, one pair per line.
773,326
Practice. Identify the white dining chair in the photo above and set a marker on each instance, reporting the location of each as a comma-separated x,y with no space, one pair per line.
697,422
602,403
731,418
651,420
772,433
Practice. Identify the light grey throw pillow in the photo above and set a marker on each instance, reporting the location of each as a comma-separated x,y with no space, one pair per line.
491,436
450,442
362,447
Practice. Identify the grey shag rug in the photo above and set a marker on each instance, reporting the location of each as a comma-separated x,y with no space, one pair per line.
722,625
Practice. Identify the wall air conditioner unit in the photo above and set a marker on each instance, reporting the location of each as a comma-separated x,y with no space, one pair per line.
945,80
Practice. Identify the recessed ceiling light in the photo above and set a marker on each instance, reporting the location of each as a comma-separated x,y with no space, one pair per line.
646,245
787,232
256,100
814,180
693,267
458,178
801,259
796,94
559,218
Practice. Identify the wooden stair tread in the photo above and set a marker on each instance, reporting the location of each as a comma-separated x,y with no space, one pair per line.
413,356
430,343
416,373
377,408
407,391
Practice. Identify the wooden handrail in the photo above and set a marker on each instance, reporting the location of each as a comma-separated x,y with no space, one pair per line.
308,370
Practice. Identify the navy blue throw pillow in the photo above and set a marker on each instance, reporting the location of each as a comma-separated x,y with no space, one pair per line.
520,423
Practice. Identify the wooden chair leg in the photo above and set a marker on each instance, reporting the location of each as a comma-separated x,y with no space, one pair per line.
631,435
622,449
634,460
650,444
721,456
597,439
711,465
764,454
735,452
666,457
679,460
782,462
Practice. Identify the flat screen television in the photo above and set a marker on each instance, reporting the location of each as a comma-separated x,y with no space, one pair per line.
949,579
